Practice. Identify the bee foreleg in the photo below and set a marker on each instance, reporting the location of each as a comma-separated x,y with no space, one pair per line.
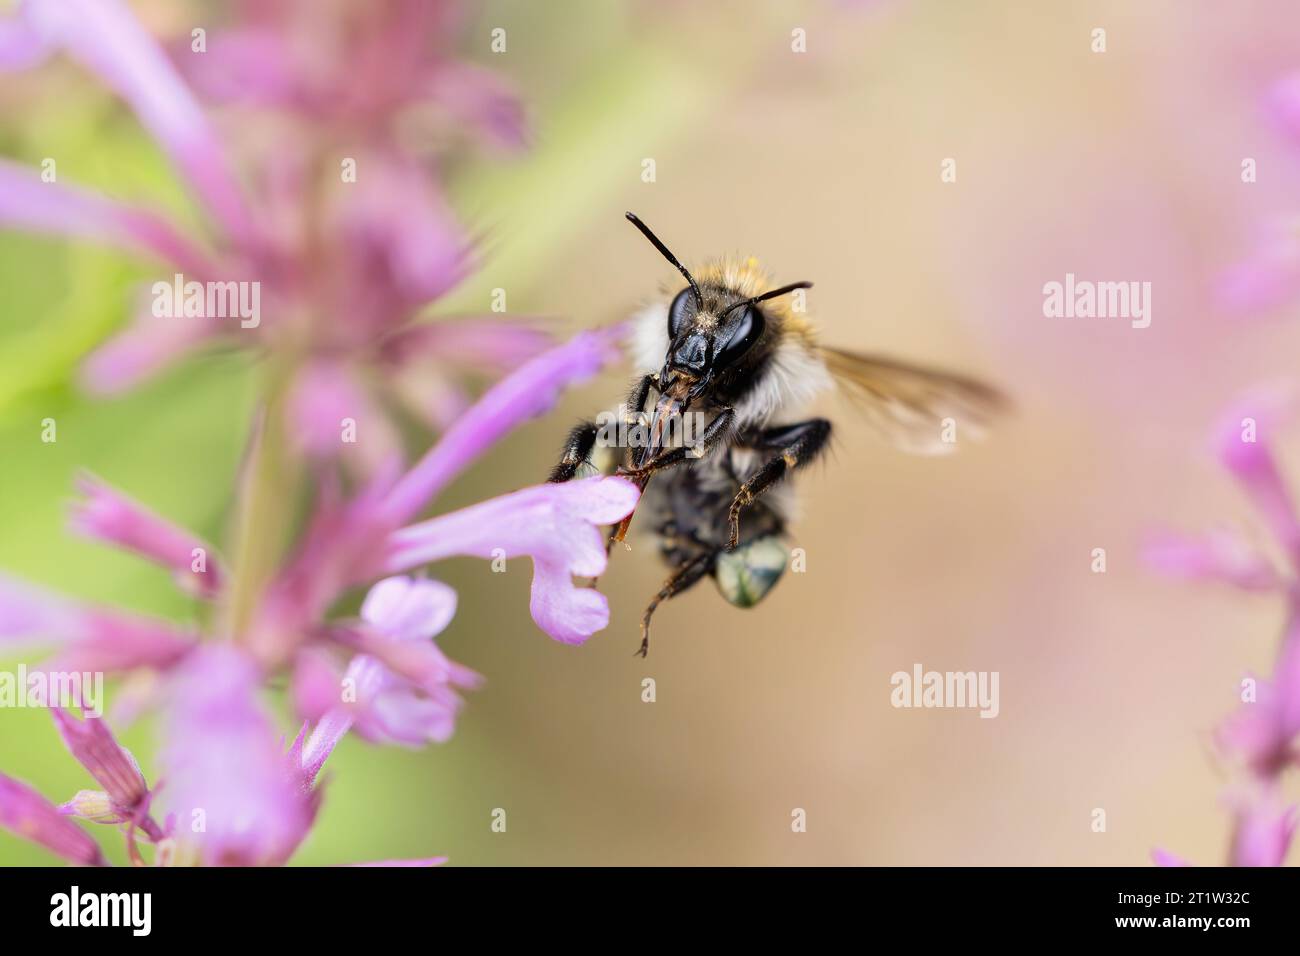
716,432
797,445
640,392
681,579
577,451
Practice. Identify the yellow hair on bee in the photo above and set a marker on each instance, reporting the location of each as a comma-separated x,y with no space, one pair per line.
746,278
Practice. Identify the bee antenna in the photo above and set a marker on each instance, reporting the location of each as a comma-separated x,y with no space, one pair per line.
664,251
768,295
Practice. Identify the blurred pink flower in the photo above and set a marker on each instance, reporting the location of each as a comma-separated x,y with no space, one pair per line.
125,794
345,263
1259,738
1263,831
235,798
1269,276
112,517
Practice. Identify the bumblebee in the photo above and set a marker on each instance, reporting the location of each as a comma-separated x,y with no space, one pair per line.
730,349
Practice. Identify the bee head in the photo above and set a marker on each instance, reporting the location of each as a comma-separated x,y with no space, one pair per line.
707,335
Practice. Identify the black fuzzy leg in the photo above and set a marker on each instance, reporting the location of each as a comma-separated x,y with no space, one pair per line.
640,392
684,577
796,444
577,451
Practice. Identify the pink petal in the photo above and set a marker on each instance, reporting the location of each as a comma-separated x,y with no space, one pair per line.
29,614
1263,833
251,66
316,683
490,345
1244,439
1216,556
1165,858
235,800
90,638
409,609
28,203
107,515
28,814
481,99
526,393
142,349
1269,278
105,36
401,715
327,405
112,766
558,525
399,235
1283,105
21,47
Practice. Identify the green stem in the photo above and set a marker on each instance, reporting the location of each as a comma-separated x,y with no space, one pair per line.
264,507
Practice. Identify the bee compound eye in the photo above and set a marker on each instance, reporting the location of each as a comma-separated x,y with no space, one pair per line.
680,311
745,575
745,332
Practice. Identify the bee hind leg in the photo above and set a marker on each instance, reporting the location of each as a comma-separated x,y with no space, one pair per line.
796,445
684,577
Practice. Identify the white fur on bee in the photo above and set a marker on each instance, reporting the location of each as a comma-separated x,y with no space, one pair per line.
649,343
794,376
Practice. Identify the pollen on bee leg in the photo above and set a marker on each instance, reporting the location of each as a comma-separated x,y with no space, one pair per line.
791,459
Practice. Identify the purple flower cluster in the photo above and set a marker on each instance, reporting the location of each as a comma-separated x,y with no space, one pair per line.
1270,275
344,228
1258,741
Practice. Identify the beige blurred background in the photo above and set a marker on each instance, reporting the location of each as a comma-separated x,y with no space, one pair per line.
826,165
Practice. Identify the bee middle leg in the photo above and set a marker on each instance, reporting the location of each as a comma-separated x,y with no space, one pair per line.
684,577
577,452
796,444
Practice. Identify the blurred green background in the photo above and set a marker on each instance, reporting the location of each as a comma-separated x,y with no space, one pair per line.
826,166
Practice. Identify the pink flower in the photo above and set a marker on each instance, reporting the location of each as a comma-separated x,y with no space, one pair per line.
558,526
1259,738
411,702
112,766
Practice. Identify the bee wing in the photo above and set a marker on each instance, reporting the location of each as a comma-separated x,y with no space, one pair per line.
908,404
